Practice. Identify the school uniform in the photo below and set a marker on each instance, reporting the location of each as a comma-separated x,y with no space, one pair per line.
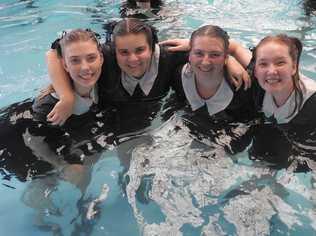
286,133
137,100
219,113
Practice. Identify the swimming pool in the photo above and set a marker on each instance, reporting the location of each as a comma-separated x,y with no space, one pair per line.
166,187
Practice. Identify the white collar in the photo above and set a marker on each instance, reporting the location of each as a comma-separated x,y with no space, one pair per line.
83,104
147,81
218,102
282,113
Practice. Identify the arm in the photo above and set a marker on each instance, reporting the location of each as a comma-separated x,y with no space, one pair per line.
235,49
175,45
236,65
61,83
242,55
238,75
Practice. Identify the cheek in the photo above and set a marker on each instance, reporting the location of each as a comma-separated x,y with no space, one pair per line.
219,61
120,60
257,72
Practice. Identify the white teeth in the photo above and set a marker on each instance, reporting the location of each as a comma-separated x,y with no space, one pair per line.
272,81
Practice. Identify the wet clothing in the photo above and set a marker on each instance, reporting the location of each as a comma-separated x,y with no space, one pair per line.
284,114
283,134
112,91
43,106
79,138
218,115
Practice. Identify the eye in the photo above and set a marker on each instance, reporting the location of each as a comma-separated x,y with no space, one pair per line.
139,50
123,52
198,53
91,58
262,64
214,54
75,61
280,63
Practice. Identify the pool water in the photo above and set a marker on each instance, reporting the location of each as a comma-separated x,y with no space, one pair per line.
158,182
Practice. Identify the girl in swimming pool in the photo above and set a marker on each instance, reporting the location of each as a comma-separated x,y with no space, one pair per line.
286,96
205,79
82,58
214,104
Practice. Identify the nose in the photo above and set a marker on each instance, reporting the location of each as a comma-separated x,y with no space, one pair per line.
206,60
132,57
84,65
271,69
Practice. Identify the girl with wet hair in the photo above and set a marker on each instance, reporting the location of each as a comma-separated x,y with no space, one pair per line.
213,103
206,81
284,95
287,100
81,57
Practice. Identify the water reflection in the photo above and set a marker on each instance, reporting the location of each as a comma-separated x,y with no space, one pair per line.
201,185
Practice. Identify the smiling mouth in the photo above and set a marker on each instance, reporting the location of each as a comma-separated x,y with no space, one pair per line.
87,76
205,69
273,81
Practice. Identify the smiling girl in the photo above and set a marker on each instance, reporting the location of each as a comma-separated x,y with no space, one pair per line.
81,57
286,96
206,82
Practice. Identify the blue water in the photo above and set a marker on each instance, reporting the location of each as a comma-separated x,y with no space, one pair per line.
176,192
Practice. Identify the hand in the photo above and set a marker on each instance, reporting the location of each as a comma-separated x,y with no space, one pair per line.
238,75
61,112
175,45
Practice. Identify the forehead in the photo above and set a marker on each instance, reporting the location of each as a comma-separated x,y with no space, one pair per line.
80,48
272,49
208,43
131,41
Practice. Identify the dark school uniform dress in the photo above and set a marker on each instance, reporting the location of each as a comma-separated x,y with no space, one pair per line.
86,123
284,133
219,114
137,100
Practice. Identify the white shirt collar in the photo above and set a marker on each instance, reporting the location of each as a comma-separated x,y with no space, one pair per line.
282,113
218,102
147,81
83,104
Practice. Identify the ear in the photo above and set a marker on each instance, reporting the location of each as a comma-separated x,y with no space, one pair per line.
64,65
101,58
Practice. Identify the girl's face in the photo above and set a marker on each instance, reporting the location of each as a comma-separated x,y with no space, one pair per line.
275,68
133,54
207,55
83,61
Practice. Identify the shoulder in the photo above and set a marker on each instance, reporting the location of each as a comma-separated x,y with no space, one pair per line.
306,116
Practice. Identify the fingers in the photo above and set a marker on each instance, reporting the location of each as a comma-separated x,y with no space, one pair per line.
237,82
55,119
247,80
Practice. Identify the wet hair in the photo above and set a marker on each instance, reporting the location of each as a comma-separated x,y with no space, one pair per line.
212,31
132,26
295,47
76,35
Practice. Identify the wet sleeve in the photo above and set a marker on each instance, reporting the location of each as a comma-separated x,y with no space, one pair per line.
42,106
